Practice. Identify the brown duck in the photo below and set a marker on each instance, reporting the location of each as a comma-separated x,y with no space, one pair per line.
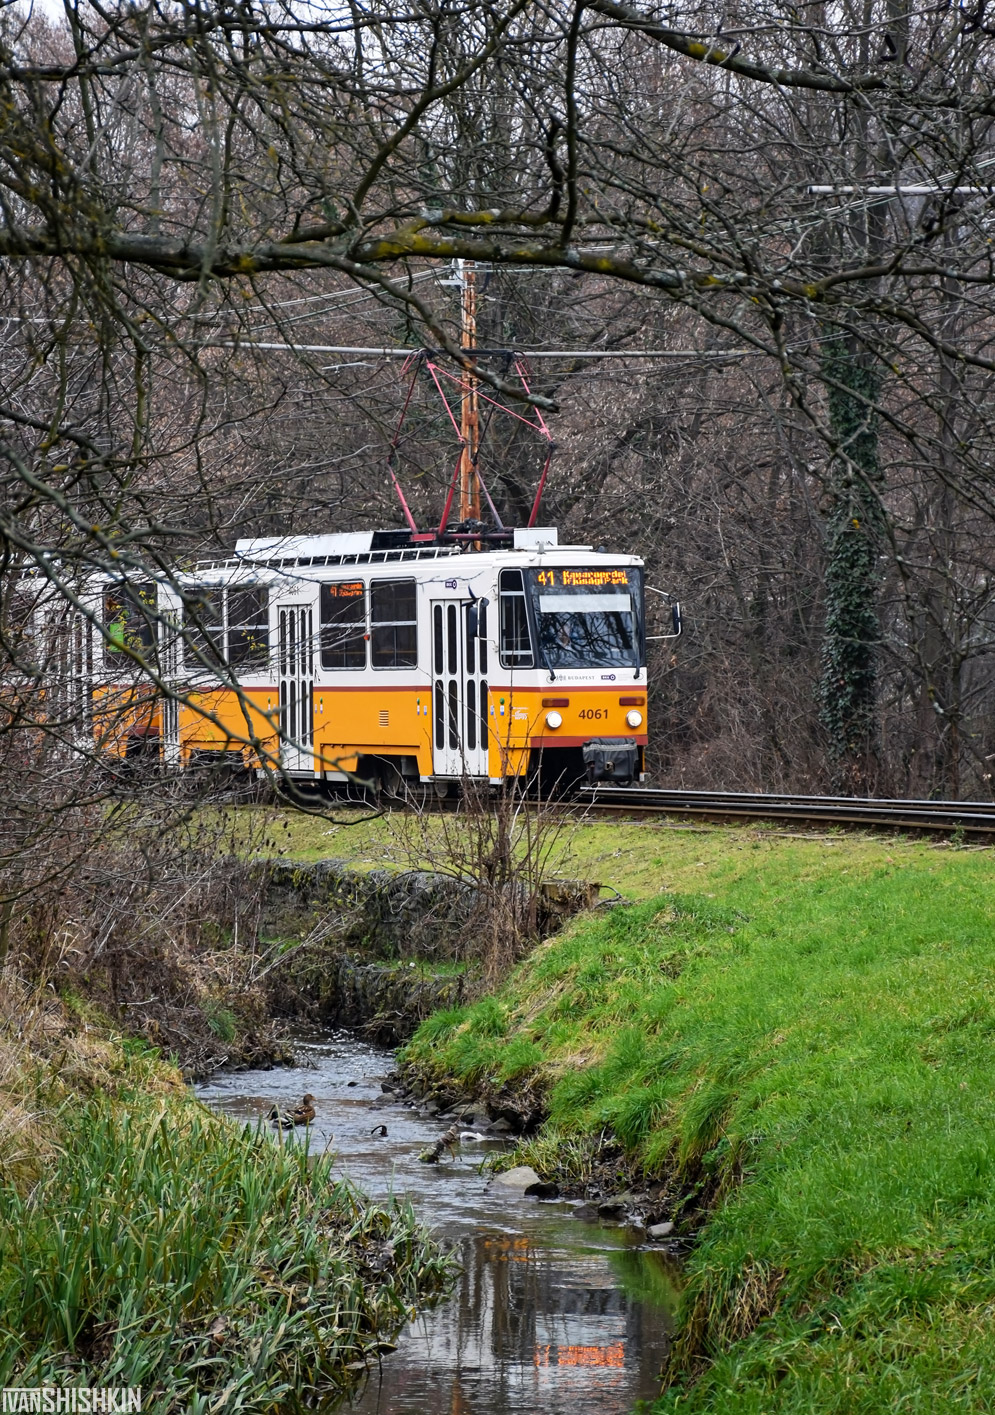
301,1114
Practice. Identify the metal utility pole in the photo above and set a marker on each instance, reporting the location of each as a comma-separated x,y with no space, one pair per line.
469,485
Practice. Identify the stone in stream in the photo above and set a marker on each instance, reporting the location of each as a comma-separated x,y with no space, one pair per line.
660,1230
522,1177
587,1213
542,1191
612,1208
500,1127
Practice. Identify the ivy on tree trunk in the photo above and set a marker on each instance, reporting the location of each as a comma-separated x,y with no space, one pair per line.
848,687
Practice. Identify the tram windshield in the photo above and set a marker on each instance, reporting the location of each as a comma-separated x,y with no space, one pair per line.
588,617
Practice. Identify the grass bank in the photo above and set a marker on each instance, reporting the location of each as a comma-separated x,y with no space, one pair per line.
638,858
802,1034
147,1242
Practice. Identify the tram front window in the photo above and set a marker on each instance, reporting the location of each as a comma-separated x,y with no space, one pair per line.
588,618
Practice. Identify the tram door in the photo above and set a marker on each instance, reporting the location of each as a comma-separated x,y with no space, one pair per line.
296,678
459,688
170,650
71,654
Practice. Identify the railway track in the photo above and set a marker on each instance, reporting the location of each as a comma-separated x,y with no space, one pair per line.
969,817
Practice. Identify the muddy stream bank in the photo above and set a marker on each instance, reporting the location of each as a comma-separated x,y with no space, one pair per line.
549,1314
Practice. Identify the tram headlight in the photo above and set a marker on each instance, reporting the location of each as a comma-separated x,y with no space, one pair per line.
634,719
554,719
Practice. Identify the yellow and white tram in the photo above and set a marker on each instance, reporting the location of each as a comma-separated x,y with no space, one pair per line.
371,656
395,657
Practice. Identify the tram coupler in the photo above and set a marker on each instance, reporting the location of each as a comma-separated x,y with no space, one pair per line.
614,759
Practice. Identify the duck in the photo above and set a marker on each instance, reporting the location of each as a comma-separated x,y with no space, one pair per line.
304,1113
301,1114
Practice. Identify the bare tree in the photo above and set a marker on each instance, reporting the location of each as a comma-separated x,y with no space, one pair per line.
803,196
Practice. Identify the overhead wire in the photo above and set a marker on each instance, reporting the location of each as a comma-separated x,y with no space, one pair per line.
405,351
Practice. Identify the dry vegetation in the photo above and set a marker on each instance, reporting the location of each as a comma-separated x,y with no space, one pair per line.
143,906
500,848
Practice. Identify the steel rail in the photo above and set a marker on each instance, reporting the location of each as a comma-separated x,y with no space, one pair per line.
974,816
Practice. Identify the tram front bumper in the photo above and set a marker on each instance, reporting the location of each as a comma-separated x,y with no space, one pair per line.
613,759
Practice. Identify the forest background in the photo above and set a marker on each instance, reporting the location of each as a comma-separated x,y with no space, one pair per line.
781,215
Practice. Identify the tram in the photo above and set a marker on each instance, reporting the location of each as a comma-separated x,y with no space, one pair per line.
372,656
397,658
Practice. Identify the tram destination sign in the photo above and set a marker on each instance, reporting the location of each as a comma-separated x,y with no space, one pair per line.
583,579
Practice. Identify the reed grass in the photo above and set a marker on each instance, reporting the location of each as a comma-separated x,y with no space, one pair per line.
166,1248
805,1045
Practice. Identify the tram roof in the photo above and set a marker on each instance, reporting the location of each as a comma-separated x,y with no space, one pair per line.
351,546
353,550
269,560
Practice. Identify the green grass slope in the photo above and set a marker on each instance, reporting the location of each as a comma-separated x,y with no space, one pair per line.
810,1037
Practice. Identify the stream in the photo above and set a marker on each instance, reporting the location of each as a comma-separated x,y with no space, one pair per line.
549,1314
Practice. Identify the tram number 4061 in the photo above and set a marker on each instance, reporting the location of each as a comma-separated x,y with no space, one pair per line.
594,712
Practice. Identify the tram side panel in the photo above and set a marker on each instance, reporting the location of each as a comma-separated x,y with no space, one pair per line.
312,693
213,723
127,707
477,725
83,664
224,629
373,693
402,676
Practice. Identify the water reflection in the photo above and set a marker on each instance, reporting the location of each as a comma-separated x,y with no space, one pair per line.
548,1314
537,1323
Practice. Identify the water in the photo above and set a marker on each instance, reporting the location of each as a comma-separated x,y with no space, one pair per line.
550,1315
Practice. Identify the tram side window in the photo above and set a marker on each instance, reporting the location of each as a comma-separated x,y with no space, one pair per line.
343,625
248,628
203,626
516,642
393,624
130,623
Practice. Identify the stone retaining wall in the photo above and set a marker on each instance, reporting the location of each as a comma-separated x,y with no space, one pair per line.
357,934
411,913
